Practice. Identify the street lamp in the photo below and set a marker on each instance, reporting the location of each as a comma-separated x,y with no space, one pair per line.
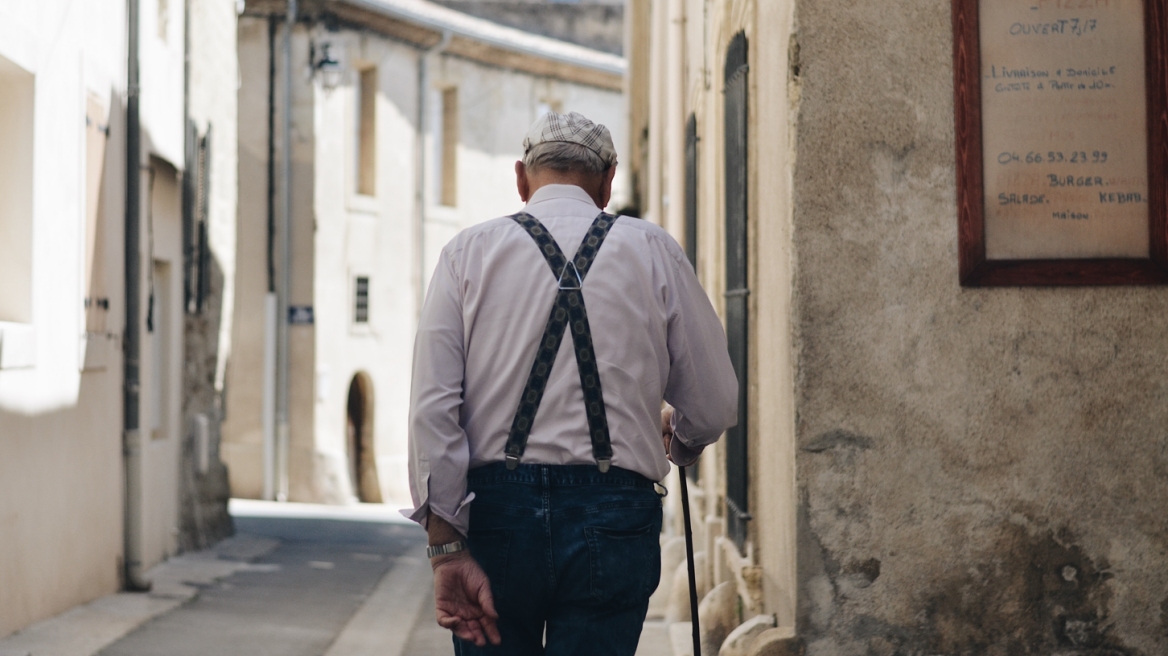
329,69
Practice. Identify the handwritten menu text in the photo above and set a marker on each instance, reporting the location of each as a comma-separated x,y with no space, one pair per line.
1064,129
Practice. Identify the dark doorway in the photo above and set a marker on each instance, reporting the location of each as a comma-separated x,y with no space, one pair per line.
359,440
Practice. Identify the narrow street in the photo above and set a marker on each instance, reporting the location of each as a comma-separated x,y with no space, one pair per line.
314,581
295,580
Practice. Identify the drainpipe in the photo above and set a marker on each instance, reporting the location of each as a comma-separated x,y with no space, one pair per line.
136,580
420,155
673,136
285,283
657,65
271,302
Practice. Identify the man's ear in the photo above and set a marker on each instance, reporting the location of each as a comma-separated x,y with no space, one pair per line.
606,186
521,181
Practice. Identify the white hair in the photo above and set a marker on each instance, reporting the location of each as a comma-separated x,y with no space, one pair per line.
563,156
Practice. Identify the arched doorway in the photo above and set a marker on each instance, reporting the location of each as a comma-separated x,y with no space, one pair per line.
359,436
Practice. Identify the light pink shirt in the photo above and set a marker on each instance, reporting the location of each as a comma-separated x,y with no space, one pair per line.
655,334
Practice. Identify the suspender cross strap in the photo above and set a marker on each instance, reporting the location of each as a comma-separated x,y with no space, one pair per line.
568,309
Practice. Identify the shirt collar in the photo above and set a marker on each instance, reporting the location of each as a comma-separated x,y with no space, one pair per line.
560,192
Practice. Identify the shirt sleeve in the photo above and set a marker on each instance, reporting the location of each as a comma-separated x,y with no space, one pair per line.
702,387
438,449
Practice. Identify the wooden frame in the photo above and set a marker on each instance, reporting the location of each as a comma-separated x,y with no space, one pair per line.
975,269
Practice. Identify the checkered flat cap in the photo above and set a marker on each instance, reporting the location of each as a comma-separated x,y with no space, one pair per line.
571,128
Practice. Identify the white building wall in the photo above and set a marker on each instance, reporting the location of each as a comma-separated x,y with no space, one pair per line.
366,236
161,54
60,426
61,471
161,32
162,360
214,83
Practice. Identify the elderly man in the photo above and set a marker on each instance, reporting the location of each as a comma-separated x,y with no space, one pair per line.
533,457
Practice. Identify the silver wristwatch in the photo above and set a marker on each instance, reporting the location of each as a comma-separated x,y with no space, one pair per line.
443,549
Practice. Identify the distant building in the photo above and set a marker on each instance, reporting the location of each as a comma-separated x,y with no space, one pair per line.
101,477
407,118
596,24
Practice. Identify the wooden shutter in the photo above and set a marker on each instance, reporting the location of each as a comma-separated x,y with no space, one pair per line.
737,289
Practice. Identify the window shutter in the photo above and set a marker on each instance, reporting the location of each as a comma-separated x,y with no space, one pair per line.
737,290
691,190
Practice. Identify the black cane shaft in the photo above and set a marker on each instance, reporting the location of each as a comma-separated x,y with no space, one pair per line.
689,555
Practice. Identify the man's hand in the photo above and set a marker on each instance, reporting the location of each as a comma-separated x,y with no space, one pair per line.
462,592
462,596
667,428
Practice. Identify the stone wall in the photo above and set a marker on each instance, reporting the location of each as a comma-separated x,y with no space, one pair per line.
980,471
203,484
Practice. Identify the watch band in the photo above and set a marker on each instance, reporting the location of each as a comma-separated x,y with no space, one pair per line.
443,549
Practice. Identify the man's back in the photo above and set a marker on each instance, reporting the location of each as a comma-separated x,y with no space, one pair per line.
536,483
654,335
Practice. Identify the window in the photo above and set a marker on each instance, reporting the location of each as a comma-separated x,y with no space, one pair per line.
737,290
361,303
366,136
16,165
445,125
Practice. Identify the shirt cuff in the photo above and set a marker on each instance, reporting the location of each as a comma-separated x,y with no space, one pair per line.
460,520
681,453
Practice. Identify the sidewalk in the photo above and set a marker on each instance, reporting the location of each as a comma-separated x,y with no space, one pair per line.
87,629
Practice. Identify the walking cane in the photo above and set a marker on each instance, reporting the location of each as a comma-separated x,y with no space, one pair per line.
689,556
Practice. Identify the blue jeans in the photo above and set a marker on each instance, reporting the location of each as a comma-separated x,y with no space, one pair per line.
569,551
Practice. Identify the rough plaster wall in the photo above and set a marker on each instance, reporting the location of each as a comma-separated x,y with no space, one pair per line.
980,471
214,75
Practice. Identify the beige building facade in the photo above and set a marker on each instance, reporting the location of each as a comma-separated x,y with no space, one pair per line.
77,520
925,468
407,118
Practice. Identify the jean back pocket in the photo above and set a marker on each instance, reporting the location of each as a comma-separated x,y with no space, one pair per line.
625,565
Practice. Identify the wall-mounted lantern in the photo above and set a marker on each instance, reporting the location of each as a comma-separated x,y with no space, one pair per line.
329,69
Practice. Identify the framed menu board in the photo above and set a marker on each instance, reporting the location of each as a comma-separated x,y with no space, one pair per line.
1062,141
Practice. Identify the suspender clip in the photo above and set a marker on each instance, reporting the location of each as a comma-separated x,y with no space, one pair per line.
571,281
512,461
603,464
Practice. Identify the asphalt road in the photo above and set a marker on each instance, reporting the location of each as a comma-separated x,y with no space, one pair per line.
297,598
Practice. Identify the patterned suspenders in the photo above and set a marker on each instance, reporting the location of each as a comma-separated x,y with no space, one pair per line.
567,309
